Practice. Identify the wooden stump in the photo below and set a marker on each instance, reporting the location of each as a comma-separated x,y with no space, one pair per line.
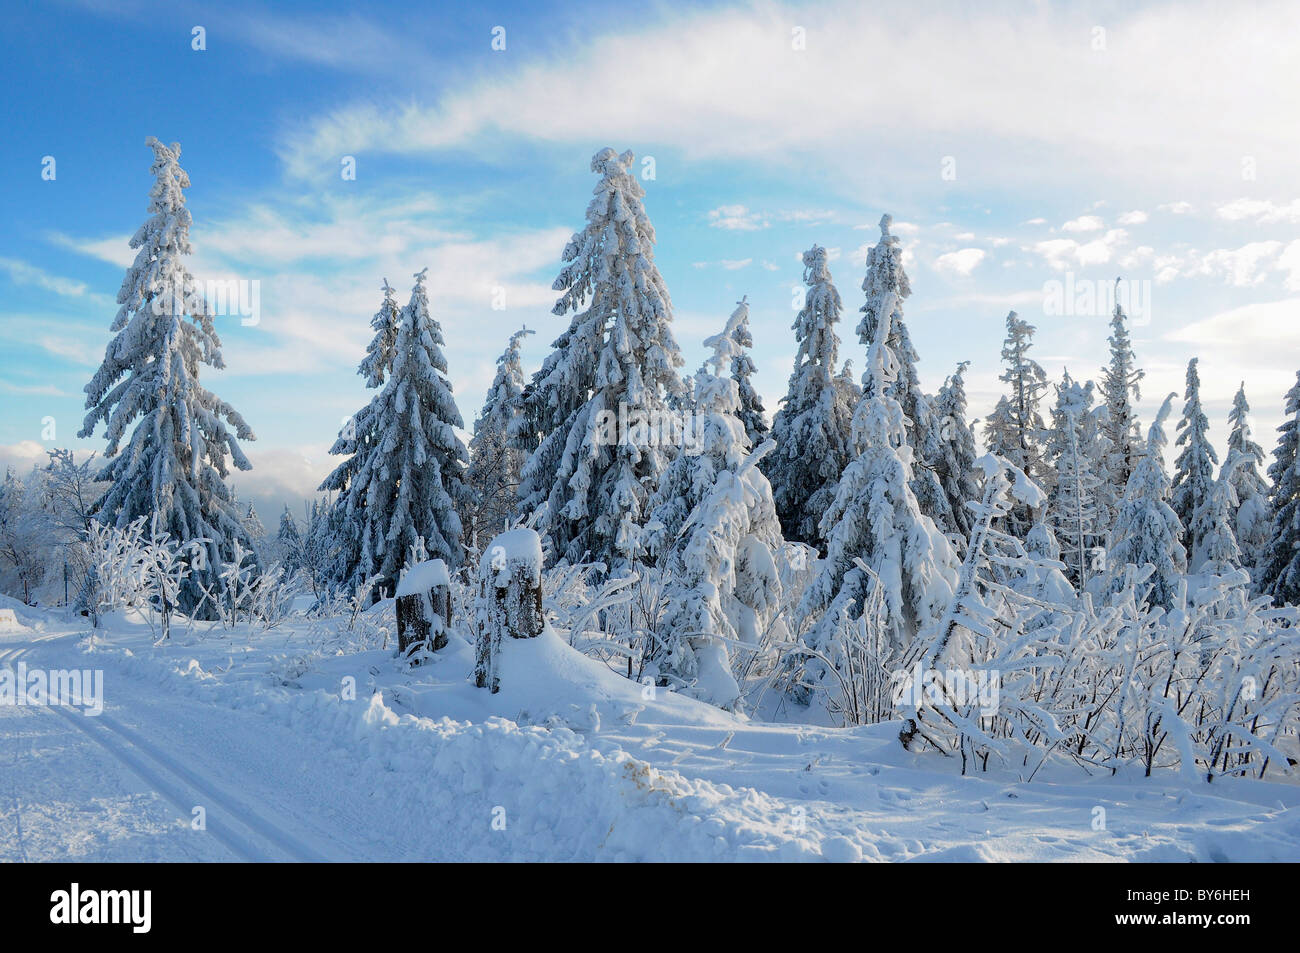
424,607
509,600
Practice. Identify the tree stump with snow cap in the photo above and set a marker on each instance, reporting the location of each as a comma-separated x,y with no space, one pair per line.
424,606
509,600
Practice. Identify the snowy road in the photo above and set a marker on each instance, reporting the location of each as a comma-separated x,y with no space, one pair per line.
574,765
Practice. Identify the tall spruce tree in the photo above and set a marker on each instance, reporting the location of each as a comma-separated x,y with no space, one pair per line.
1017,433
1120,391
875,521
175,462
812,427
1071,503
1252,518
1014,431
615,365
405,474
1193,468
751,411
1147,531
1281,575
921,422
953,458
494,461
714,529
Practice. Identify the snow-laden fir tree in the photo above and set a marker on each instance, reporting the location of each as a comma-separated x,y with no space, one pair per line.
1217,549
1147,531
174,464
1014,430
288,540
875,520
1120,391
1253,519
953,454
1071,503
885,276
253,526
1193,468
405,474
812,427
494,461
614,369
1281,576
751,412
715,531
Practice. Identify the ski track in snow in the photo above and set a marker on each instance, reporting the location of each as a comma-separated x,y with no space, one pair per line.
578,766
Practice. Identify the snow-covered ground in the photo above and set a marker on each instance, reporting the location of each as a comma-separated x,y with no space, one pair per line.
260,730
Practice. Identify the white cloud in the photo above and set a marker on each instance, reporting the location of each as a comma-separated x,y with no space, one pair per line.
22,273
1259,339
115,249
1261,211
1177,208
1240,267
1062,254
724,84
1135,217
960,263
1289,262
1084,223
735,218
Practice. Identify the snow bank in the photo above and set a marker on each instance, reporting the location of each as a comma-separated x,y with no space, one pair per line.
498,791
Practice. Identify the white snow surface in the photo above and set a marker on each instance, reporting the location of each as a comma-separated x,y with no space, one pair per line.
569,762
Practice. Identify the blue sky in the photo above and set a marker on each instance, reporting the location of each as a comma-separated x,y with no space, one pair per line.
1015,145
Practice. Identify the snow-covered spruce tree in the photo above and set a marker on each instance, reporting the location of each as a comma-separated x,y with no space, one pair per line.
953,452
494,461
253,524
616,365
405,474
751,412
875,530
1018,434
1281,576
1253,519
1217,549
175,460
921,422
812,427
715,531
1193,468
1071,503
1147,531
288,540
1119,389
1014,430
